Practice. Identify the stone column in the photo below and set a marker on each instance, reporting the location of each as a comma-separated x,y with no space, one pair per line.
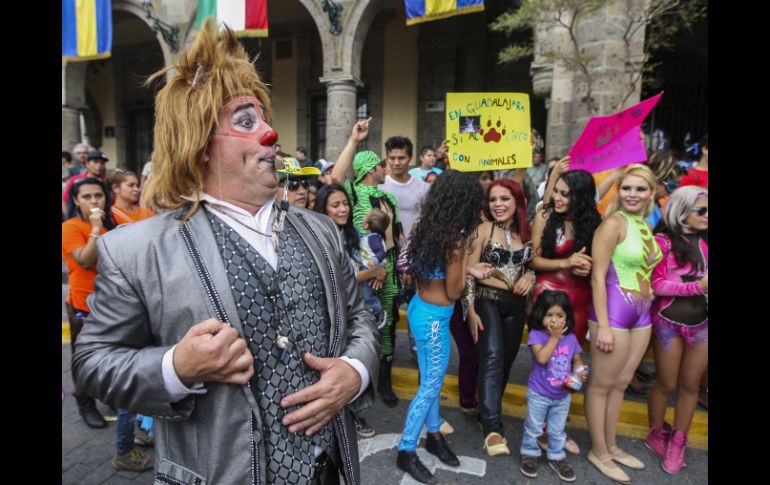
553,82
340,112
601,36
73,100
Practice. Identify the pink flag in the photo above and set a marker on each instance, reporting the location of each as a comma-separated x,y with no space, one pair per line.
612,141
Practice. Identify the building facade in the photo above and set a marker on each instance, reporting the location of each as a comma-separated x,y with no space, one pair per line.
328,69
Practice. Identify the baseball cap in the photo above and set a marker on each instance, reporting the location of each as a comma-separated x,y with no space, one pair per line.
97,154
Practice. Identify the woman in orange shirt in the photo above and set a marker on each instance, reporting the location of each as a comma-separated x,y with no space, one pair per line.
125,189
126,210
78,242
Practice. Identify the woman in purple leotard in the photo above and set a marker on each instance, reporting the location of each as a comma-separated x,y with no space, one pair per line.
624,255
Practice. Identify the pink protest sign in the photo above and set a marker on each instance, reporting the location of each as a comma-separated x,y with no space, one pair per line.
612,141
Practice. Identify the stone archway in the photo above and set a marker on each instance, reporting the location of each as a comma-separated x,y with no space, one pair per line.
74,98
135,7
342,65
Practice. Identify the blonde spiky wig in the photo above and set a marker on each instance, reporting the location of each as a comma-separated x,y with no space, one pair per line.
639,170
214,71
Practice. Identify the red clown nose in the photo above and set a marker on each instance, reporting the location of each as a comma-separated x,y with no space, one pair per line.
269,138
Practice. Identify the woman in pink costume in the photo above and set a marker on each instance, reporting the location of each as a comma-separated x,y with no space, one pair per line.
680,321
624,255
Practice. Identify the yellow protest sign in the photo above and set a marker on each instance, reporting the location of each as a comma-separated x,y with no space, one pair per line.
488,131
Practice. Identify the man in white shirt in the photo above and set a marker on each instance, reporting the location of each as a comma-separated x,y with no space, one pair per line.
409,191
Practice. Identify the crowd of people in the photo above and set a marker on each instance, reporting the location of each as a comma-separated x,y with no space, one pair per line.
257,294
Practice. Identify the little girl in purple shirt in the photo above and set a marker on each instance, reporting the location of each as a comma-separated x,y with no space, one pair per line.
555,353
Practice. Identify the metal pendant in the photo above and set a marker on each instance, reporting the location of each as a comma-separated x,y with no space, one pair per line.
282,341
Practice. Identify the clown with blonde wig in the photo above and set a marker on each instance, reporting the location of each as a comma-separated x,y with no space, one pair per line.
212,75
234,316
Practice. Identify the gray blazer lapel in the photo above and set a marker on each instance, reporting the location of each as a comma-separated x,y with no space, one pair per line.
212,258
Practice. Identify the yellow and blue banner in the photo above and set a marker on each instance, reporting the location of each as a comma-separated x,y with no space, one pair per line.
426,10
86,29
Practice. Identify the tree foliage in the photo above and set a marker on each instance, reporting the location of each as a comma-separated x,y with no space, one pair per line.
660,19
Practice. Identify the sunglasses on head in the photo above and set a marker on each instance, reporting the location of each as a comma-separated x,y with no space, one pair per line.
293,185
701,211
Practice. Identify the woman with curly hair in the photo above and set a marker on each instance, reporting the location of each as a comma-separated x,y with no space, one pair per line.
679,321
442,240
497,303
561,237
624,255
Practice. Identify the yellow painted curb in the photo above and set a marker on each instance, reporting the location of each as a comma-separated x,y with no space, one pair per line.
403,324
65,332
633,415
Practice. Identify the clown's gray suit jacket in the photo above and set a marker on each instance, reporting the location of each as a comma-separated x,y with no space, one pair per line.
147,296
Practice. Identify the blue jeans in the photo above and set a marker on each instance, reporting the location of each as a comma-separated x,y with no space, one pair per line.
430,326
370,298
124,433
541,409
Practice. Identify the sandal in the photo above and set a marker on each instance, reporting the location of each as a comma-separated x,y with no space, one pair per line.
624,458
495,445
608,468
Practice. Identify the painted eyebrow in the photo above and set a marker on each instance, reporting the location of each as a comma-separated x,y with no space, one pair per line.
244,107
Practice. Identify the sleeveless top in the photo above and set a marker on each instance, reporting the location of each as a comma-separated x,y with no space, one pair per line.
508,265
637,255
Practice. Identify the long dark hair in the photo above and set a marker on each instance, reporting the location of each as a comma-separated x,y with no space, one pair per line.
351,239
520,224
450,215
582,211
74,210
545,301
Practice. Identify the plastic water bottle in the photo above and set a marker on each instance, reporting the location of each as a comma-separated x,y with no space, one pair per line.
573,382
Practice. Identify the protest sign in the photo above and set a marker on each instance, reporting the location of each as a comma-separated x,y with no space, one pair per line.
488,131
612,141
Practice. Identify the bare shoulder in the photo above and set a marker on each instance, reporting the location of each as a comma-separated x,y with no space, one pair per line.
484,229
613,226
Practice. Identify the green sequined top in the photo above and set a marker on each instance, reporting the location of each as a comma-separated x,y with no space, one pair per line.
637,255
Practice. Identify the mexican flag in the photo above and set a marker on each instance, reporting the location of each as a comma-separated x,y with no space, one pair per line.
247,18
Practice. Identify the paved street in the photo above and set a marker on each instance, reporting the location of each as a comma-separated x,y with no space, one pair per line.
86,453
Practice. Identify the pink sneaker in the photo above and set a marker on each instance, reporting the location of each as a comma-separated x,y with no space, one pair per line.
674,460
657,439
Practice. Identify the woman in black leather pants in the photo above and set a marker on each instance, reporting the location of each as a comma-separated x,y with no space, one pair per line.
497,304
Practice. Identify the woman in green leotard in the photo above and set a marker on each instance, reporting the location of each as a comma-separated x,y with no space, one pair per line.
625,253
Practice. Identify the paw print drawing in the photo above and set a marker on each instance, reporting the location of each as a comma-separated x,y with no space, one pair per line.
492,133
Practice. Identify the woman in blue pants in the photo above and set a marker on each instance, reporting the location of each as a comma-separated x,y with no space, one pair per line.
438,255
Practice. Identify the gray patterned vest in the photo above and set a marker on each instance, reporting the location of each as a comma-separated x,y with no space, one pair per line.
291,300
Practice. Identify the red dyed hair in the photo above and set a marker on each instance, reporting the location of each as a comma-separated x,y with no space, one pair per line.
520,222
